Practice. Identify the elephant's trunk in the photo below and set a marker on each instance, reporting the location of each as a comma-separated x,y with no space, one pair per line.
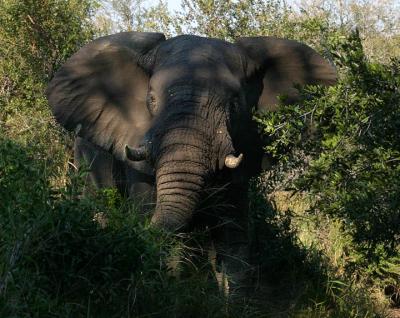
181,170
178,193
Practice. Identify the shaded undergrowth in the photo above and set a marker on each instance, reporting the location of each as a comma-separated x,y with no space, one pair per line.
63,255
296,276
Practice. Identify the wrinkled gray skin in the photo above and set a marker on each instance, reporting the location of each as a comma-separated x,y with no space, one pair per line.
160,117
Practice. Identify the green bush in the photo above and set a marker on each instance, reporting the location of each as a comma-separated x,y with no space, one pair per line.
347,139
65,255
35,38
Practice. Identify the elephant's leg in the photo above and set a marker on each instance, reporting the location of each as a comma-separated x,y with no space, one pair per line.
139,184
233,267
103,169
133,180
232,248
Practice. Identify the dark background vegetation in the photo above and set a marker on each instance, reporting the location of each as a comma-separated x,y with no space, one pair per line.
325,216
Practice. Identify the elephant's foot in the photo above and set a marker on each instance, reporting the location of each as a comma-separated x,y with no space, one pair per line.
232,271
235,273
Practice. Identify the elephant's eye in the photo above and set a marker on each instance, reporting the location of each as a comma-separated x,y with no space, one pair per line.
152,104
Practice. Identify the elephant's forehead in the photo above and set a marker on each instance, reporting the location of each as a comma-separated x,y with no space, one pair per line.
197,60
195,82
197,51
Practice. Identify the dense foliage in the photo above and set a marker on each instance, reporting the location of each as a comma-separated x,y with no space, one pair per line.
35,38
66,256
348,137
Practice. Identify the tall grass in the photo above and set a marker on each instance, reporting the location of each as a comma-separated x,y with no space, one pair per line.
64,255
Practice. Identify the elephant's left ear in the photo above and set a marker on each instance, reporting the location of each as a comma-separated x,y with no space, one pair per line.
100,92
274,67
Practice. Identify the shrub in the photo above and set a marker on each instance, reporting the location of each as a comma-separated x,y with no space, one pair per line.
35,38
347,137
58,258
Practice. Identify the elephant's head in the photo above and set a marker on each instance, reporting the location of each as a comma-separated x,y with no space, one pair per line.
183,104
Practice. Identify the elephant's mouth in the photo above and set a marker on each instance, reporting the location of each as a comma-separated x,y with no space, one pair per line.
184,158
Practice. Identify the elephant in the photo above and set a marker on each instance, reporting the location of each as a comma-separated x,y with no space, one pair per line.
164,119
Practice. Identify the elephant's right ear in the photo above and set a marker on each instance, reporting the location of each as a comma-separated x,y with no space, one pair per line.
274,66
101,90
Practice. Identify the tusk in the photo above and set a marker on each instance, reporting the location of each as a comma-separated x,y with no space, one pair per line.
232,162
78,128
136,154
